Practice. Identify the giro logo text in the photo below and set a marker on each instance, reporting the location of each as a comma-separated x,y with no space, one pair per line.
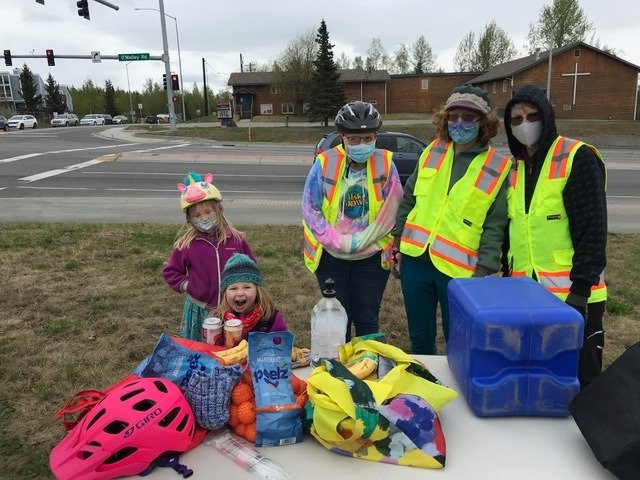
141,423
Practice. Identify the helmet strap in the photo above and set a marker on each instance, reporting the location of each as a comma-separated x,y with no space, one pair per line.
169,461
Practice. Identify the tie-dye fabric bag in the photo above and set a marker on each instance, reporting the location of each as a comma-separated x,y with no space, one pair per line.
391,419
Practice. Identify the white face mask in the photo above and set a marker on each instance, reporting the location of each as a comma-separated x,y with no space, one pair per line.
527,133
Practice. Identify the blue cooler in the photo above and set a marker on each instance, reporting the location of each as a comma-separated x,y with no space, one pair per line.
513,347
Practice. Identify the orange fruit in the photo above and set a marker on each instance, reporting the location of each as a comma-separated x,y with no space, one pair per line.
241,393
301,399
247,412
246,377
233,416
240,429
250,432
295,383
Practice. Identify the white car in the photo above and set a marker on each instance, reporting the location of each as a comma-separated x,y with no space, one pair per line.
22,121
92,119
64,120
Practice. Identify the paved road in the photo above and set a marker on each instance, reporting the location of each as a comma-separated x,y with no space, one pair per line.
103,174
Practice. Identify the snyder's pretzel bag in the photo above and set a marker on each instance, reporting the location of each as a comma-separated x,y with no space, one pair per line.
278,417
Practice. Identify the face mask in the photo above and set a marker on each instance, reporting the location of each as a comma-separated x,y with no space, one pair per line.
527,133
463,132
360,153
205,226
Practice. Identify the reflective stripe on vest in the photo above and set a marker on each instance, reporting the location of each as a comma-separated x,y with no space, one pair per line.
437,151
433,224
540,241
455,254
333,164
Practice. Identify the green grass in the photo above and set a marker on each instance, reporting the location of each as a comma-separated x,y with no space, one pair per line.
81,305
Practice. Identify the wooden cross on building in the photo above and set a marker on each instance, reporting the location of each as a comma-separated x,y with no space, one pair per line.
575,76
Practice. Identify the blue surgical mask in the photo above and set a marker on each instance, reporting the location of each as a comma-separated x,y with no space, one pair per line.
205,226
362,152
463,132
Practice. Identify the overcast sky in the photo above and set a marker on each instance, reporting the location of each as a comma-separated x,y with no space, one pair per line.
220,30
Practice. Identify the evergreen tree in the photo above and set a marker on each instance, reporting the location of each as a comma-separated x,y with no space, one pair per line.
110,99
53,99
29,90
327,94
424,60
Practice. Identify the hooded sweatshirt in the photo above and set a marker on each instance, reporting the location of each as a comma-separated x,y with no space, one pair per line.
584,194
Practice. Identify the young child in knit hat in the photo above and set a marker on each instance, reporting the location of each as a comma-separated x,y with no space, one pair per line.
204,244
245,298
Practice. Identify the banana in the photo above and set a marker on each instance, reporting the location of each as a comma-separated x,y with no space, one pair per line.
237,354
299,357
363,365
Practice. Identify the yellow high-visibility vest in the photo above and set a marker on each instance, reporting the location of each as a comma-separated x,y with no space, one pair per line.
333,163
450,222
540,241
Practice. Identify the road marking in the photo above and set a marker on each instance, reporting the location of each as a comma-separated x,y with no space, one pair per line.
58,171
31,155
21,157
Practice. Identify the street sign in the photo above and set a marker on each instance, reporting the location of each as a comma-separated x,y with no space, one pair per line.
129,57
95,57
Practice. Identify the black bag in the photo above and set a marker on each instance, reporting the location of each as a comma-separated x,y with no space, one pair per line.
607,412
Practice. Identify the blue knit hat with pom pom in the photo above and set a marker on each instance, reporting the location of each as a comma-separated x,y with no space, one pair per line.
240,269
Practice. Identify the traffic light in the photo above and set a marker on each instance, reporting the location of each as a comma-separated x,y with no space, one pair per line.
83,8
51,60
7,58
175,85
164,81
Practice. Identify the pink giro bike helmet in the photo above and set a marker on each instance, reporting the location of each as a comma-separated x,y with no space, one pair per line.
126,432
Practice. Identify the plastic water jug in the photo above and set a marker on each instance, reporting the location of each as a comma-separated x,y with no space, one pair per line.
328,325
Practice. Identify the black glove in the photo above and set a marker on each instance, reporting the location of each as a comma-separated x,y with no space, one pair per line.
578,302
481,272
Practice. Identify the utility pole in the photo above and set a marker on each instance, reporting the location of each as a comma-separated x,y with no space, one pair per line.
167,68
206,100
553,31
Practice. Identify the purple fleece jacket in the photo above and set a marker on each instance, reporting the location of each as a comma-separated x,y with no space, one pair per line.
201,264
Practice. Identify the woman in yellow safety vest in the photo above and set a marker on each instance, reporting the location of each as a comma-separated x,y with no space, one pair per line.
349,206
452,217
557,208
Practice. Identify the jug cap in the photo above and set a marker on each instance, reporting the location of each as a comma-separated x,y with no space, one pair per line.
329,291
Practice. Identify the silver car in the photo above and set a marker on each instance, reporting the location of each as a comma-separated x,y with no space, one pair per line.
92,119
64,120
22,121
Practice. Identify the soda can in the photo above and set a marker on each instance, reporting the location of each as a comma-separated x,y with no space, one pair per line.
232,333
212,331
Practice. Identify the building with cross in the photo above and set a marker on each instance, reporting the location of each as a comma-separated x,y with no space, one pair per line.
585,82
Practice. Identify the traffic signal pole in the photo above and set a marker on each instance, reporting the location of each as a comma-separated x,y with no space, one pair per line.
167,69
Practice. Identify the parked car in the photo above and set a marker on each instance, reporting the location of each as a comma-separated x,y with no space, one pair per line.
120,119
406,149
163,118
107,118
92,119
4,125
151,119
64,120
23,121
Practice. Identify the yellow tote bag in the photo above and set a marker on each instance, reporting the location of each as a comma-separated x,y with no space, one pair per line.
393,419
